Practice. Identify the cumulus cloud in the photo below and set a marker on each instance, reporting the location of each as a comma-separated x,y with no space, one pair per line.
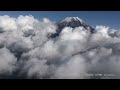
7,23
74,68
27,51
7,61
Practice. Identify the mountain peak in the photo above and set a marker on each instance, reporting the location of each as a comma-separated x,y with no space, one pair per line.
70,19
72,22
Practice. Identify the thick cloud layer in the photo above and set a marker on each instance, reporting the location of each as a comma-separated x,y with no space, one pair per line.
26,51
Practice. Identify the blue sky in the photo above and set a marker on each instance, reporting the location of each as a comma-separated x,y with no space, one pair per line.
108,18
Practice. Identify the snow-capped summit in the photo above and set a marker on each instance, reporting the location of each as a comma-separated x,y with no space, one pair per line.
72,22
70,19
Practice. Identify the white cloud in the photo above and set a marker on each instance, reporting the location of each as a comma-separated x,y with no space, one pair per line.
7,23
7,61
25,46
74,68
